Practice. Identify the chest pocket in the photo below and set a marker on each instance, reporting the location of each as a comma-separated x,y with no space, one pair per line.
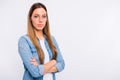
32,48
34,52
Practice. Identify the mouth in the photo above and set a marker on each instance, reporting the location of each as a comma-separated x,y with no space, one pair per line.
40,24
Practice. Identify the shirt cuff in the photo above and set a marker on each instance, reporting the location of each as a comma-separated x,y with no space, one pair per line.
41,69
59,67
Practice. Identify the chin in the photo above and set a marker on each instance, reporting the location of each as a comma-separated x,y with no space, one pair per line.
40,29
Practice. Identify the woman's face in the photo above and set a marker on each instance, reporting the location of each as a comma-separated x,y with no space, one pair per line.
39,18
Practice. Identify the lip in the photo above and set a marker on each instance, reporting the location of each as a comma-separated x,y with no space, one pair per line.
40,24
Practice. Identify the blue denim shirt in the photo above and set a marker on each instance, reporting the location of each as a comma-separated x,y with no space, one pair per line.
27,50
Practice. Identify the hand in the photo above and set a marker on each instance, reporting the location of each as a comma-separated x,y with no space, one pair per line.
54,61
34,62
49,66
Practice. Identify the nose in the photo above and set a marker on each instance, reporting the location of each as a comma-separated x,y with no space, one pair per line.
40,19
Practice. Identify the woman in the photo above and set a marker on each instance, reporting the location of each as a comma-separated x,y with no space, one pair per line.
39,50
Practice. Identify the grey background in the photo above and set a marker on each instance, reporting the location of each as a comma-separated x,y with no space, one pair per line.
87,31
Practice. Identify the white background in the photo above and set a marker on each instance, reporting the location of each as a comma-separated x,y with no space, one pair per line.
87,31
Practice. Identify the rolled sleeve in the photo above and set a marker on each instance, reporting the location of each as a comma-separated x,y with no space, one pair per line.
59,66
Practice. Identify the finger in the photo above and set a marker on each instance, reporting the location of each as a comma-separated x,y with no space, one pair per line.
33,59
32,63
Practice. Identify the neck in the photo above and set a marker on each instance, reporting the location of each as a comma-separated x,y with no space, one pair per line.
39,34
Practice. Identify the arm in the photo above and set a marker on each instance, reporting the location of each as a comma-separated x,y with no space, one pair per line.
49,67
52,70
59,66
26,55
60,61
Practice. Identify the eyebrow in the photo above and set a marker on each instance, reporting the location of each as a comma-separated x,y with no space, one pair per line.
40,14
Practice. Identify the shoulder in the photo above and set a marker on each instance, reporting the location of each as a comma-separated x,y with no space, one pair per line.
54,40
24,39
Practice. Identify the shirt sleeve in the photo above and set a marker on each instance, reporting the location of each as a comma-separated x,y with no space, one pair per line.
26,55
60,61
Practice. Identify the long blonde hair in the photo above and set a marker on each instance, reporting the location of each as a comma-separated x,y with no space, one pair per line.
46,32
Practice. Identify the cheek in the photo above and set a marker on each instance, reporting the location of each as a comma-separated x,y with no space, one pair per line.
34,22
45,22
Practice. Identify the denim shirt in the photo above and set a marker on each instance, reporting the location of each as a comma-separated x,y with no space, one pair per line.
27,50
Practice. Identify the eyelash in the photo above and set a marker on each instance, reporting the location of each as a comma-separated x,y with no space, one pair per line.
42,16
35,16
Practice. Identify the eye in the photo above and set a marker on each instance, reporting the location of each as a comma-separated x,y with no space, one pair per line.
44,16
35,16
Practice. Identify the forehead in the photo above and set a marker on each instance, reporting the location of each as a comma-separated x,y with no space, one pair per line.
39,11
